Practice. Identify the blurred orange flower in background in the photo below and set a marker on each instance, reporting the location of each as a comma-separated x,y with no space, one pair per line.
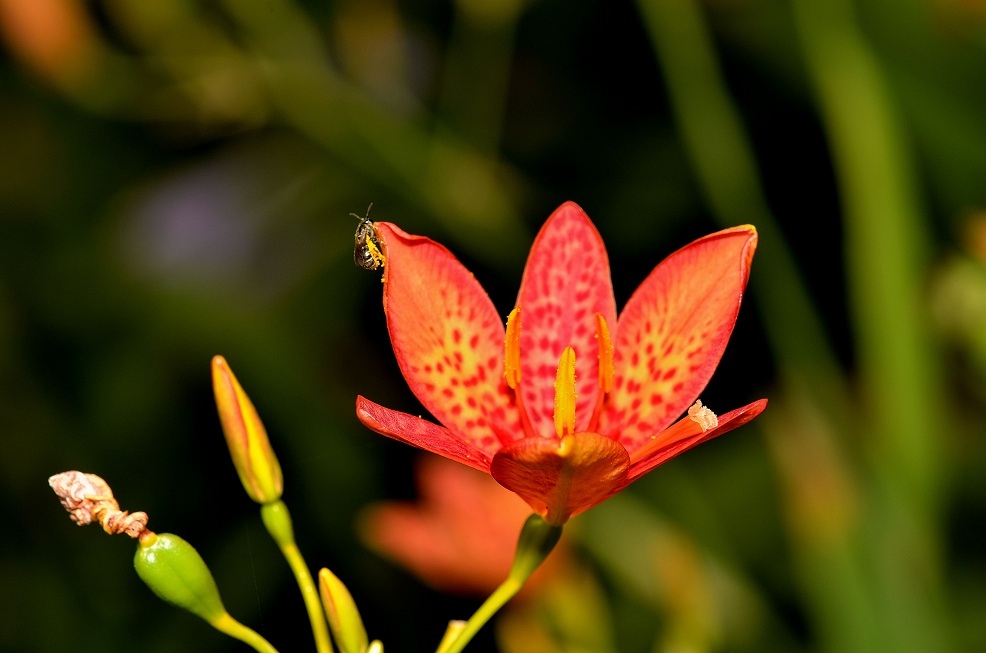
55,38
444,540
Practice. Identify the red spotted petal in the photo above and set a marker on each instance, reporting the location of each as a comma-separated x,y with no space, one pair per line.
421,433
561,478
728,422
448,338
566,282
673,331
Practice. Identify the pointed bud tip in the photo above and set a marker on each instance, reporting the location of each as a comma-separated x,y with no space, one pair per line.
249,447
343,615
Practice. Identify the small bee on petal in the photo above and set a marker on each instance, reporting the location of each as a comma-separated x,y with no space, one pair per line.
367,254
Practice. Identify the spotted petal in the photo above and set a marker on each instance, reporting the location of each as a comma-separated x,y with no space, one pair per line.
566,282
420,433
447,336
561,478
673,331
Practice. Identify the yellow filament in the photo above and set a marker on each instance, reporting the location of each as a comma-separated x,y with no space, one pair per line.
565,394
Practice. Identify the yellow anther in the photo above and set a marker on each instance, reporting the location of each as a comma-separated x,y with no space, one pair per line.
605,355
565,394
511,353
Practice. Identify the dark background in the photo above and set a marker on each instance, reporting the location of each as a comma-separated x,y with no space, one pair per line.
176,179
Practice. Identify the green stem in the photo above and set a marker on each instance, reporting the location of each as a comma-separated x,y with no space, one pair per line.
886,246
537,539
899,369
277,519
230,626
480,46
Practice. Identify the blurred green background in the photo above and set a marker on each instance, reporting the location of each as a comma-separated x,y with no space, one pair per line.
176,179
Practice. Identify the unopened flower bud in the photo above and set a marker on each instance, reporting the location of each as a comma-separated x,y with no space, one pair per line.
249,447
344,620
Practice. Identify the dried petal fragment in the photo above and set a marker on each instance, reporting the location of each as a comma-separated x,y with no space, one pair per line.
88,498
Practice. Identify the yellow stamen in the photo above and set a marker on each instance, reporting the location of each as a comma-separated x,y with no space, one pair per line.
565,394
511,353
699,420
511,368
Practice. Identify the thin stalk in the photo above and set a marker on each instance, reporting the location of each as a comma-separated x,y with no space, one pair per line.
537,539
230,626
490,607
277,519
886,232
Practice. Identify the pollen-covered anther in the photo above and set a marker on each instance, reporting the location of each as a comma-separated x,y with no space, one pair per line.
511,368
511,350
702,416
698,420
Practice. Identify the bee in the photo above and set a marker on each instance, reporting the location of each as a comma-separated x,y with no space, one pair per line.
367,253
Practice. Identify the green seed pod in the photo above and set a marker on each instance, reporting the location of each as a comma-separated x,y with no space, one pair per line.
175,571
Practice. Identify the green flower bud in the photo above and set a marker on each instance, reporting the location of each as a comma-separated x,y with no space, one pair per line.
175,571
347,626
249,447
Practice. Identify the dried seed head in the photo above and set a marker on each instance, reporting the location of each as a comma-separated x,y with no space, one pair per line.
88,498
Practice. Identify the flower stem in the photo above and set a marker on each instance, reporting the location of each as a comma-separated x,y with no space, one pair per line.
277,519
230,626
537,539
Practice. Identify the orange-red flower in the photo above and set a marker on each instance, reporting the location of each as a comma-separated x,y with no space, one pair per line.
567,405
